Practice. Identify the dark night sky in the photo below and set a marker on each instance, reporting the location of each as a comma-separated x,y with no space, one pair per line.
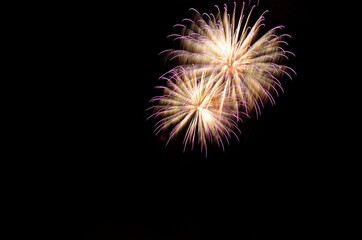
125,184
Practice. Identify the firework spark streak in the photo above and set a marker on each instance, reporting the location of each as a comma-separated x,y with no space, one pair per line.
226,67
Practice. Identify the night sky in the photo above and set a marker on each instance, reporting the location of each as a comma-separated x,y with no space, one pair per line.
124,183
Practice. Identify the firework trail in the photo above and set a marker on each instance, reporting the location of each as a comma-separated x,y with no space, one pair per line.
190,103
226,68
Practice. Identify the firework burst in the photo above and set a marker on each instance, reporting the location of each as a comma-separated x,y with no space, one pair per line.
190,104
247,64
227,67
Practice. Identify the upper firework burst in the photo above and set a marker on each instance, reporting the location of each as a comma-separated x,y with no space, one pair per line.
246,64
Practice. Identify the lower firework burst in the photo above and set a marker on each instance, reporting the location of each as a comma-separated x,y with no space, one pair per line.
190,105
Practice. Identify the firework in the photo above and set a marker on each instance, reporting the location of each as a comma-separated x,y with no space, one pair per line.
190,105
245,62
227,67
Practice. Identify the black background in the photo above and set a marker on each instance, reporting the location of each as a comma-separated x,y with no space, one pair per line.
121,182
